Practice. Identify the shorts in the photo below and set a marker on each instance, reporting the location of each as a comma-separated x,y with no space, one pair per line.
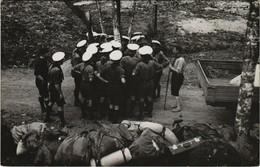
115,94
55,96
77,81
131,86
101,89
157,78
43,88
146,89
87,90
176,83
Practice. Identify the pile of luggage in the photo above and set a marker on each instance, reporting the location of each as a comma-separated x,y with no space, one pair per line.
127,143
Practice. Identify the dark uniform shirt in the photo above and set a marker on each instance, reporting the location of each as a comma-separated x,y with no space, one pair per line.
87,71
41,68
113,75
99,66
146,72
162,59
76,57
55,75
129,63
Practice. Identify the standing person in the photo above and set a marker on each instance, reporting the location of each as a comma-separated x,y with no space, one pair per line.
55,77
86,87
76,59
177,68
164,61
115,75
128,63
145,71
101,83
41,81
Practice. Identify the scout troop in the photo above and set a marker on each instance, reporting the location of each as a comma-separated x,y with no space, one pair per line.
112,78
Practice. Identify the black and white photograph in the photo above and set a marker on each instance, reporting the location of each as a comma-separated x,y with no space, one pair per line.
130,83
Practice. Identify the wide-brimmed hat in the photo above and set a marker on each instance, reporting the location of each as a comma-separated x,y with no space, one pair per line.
92,49
115,55
58,56
106,45
86,56
133,46
116,44
81,43
145,50
156,42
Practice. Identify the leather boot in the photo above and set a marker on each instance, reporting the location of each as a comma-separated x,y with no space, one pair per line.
48,114
43,108
141,111
62,120
83,110
77,101
149,108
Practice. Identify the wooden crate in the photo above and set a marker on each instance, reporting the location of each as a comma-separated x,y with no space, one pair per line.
218,91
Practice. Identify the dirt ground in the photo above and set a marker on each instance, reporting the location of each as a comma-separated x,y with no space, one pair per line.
19,102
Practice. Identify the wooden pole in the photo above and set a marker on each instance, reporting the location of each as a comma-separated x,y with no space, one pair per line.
250,57
155,18
89,27
116,20
100,16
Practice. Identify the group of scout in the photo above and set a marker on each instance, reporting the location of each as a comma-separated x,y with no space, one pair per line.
114,76
111,77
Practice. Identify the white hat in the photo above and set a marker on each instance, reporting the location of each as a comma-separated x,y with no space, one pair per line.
133,46
125,37
145,50
106,50
156,42
102,34
94,34
86,56
21,149
93,44
110,36
106,45
116,44
137,37
92,49
58,56
137,33
81,43
115,55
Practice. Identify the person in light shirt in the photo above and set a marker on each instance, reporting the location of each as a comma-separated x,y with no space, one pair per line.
177,69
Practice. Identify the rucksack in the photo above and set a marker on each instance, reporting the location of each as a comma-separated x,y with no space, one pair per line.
148,146
109,139
74,150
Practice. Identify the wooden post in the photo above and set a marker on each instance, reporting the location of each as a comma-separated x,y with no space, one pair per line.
250,57
100,16
89,27
155,17
116,20
132,14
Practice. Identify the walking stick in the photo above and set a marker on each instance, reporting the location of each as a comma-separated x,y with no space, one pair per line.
167,84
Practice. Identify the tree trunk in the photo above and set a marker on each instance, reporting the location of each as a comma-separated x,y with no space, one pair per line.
89,27
116,20
155,18
132,14
251,54
100,16
77,11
